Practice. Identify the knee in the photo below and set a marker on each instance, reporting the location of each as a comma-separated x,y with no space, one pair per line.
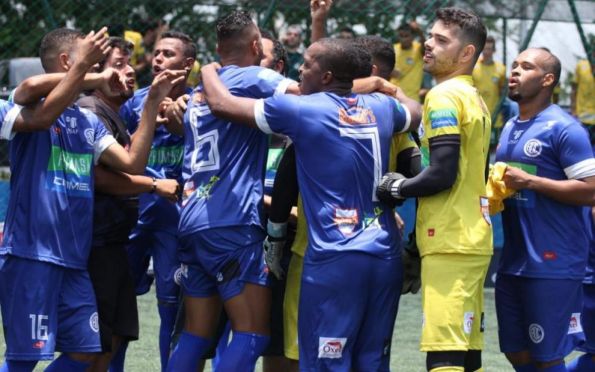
445,360
545,365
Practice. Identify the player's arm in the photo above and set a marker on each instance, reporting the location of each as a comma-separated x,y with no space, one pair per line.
41,116
318,11
135,161
409,162
175,115
285,189
222,103
123,184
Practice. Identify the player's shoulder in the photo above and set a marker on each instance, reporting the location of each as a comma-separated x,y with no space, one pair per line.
554,117
454,88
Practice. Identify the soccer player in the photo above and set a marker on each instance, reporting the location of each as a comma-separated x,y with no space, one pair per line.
349,231
274,54
583,90
155,234
408,69
550,163
453,230
47,235
220,227
489,77
292,40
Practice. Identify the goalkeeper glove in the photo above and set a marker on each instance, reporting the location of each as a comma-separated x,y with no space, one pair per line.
388,190
273,245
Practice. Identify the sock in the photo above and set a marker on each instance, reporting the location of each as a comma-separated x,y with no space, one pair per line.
525,368
221,346
64,364
167,314
557,368
584,363
117,362
188,353
18,366
242,352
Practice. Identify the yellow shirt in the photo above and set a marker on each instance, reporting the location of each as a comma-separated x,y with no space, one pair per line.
138,50
489,80
301,235
400,142
457,220
194,76
409,62
585,92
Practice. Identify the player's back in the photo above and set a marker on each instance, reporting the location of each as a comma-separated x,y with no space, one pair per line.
457,220
224,163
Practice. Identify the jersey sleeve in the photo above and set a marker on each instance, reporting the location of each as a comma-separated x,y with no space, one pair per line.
442,115
576,154
276,115
102,139
9,113
401,116
263,83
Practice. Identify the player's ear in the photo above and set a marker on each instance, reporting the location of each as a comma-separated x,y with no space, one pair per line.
64,61
327,78
188,64
374,70
468,53
548,80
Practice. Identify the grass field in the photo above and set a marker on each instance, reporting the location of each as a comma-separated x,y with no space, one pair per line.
143,355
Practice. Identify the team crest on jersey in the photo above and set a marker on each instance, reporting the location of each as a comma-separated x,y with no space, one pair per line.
536,333
532,148
468,319
484,205
90,136
575,324
356,115
346,220
421,131
331,347
94,322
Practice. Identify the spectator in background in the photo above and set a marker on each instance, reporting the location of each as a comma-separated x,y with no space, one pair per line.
489,77
292,40
583,90
346,33
408,71
274,54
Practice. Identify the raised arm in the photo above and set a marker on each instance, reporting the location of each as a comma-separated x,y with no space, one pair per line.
222,103
319,10
41,116
135,161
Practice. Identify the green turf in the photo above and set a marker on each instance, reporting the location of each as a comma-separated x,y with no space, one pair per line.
143,355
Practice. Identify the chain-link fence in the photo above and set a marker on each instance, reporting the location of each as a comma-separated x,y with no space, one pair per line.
24,22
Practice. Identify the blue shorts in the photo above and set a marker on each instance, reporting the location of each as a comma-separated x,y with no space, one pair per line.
588,318
162,246
347,312
542,316
226,258
46,307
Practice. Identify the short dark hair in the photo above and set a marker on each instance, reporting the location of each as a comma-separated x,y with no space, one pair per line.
490,40
472,28
345,59
117,43
551,65
60,40
233,24
348,30
405,27
382,52
279,52
189,48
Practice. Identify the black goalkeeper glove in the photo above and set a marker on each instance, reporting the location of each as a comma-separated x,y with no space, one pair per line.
273,245
411,267
388,189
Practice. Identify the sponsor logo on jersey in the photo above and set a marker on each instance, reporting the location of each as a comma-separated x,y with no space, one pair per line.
431,232
166,155
575,324
331,347
356,115
94,322
532,148
39,344
468,319
346,220
443,118
516,135
536,333
71,127
550,255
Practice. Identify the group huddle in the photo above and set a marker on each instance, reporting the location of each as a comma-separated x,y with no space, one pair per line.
269,205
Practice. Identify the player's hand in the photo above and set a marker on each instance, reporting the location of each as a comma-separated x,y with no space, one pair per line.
176,111
112,82
94,47
516,178
164,82
273,253
384,190
168,189
319,8
213,66
386,87
400,223
411,267
162,118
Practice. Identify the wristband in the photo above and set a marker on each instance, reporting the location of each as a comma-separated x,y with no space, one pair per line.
154,187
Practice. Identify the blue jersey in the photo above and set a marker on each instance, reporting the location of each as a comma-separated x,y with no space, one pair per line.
537,228
50,211
590,272
224,163
165,161
342,148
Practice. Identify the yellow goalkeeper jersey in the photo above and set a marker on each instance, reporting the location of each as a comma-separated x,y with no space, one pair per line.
457,220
